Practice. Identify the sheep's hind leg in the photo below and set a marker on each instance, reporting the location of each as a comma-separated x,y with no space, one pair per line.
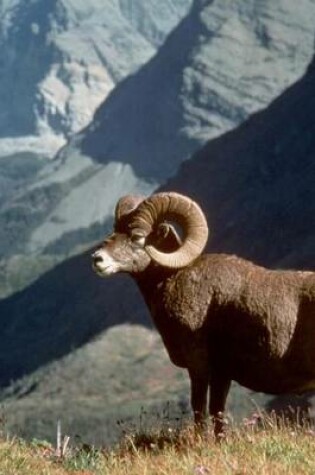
219,389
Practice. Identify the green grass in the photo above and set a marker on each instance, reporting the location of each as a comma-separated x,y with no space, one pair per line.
257,446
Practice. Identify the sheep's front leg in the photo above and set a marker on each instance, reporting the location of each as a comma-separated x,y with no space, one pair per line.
199,391
219,388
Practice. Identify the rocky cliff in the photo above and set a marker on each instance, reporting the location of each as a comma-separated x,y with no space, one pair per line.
226,60
60,58
257,182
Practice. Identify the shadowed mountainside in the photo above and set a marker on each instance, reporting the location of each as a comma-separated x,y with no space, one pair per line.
257,182
62,310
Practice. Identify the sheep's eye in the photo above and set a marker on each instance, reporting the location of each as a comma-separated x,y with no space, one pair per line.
138,240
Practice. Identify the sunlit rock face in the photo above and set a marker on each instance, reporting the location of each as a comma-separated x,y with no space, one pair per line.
225,60
60,58
256,182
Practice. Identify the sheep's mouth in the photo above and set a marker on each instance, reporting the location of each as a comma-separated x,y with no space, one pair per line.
104,271
103,264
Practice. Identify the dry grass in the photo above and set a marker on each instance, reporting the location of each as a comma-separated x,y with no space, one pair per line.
18,458
259,446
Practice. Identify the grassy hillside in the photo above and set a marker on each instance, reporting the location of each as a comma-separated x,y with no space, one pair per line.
122,374
249,449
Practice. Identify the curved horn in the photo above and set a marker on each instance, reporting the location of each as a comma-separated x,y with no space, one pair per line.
181,210
126,205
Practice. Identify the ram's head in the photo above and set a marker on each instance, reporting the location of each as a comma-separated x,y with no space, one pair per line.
144,234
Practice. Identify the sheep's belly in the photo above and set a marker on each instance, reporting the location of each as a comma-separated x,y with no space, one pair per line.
274,382
309,386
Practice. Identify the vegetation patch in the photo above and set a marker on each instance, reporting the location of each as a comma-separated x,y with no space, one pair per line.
260,445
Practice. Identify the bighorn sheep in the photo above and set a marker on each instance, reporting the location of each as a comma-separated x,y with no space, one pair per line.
221,317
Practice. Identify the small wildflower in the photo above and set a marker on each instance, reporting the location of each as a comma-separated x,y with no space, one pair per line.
201,470
252,421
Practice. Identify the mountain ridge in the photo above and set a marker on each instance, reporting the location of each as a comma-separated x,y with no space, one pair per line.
221,63
78,52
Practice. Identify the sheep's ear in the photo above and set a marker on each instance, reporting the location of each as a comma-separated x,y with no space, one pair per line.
166,238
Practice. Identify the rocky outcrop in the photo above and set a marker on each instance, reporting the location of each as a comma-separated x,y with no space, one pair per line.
225,60
59,59
257,182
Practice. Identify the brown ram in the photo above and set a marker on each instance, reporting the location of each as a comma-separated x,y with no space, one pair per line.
221,317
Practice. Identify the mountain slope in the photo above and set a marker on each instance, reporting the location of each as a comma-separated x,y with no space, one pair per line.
107,380
224,60
257,182
59,59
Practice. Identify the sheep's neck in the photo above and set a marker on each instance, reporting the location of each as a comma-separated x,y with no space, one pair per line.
152,282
